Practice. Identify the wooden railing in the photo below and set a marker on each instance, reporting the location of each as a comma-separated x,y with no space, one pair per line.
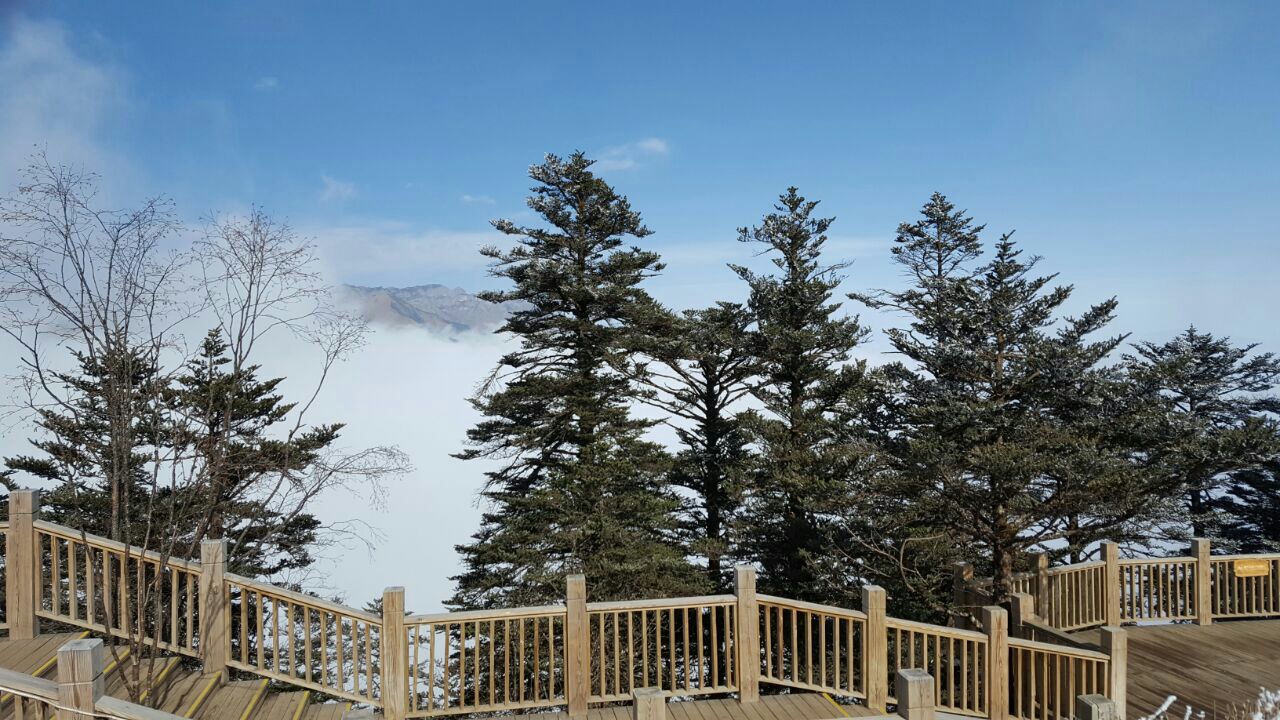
957,660
486,661
1199,587
302,640
1072,596
520,659
683,646
117,590
1234,595
813,647
1046,678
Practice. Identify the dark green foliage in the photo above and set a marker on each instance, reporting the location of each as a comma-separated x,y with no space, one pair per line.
1013,433
1216,399
576,489
227,418
702,366
98,447
1250,505
808,379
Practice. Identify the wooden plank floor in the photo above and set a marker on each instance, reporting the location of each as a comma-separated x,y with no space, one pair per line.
793,706
1211,668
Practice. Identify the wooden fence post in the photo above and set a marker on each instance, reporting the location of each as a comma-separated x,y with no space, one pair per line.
1095,707
215,616
961,576
649,703
577,646
1111,583
747,642
1020,611
1116,645
913,688
22,559
393,653
1204,581
80,681
1042,585
996,622
875,650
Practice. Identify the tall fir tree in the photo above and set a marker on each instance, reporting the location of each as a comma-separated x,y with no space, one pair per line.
96,449
577,488
697,369
808,375
231,423
1013,432
1217,398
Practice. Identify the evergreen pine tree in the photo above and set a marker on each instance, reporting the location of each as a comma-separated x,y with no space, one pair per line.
1216,399
1013,434
1250,503
701,367
807,376
227,421
577,488
95,449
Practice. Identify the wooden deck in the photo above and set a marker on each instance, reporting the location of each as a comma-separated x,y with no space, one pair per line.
179,691
1212,668
793,706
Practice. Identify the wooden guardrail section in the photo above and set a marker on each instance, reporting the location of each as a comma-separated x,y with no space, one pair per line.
574,654
1199,587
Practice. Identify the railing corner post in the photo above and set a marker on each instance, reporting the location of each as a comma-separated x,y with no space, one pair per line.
914,691
1042,584
23,559
1115,643
1204,579
577,645
1020,611
80,678
875,655
748,639
1111,587
393,653
215,615
996,623
1096,707
649,703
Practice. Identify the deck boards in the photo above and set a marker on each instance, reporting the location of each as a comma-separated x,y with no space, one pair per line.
1212,668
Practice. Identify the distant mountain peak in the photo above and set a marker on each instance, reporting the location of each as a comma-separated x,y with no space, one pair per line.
432,306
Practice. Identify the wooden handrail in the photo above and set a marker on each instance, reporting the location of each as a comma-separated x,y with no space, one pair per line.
299,598
494,614
812,607
660,604
100,542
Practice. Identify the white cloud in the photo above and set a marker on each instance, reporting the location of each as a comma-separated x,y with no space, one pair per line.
363,252
629,155
267,83
335,190
477,199
56,99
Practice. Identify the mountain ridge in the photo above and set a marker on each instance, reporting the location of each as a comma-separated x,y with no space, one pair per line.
432,306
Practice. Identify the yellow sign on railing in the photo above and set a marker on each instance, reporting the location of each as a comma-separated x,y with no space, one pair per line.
1251,567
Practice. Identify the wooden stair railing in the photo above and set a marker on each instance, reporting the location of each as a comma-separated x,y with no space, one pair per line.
570,655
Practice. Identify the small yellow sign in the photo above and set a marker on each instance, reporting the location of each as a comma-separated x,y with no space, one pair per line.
1251,567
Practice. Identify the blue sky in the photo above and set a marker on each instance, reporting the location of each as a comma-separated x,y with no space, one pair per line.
1134,145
